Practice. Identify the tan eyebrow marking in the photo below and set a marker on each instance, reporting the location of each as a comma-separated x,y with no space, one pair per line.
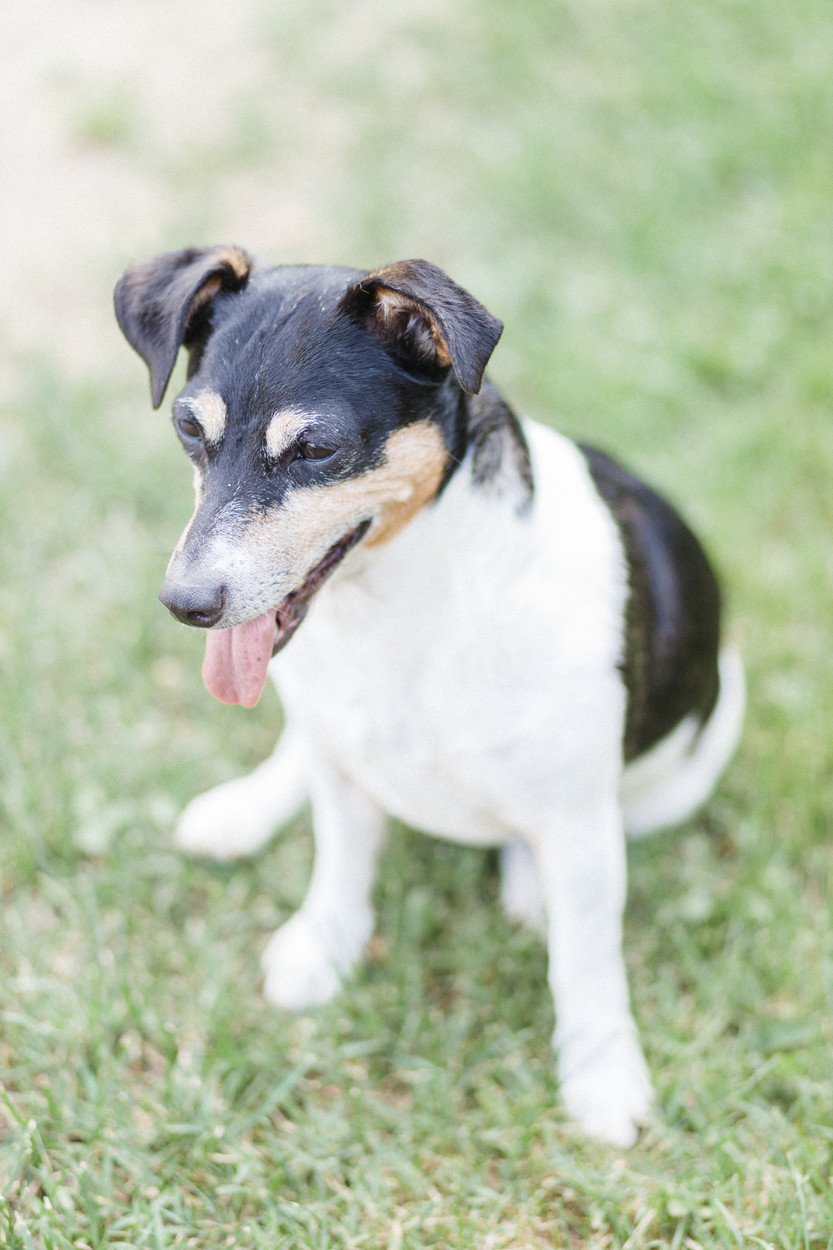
283,430
210,410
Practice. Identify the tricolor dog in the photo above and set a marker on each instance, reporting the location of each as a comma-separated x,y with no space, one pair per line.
474,625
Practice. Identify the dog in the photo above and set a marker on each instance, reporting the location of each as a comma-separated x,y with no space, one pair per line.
503,638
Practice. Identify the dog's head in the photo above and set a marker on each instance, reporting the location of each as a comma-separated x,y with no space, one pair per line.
323,408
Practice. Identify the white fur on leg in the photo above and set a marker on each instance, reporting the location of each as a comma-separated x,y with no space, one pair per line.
520,887
310,956
604,1079
240,816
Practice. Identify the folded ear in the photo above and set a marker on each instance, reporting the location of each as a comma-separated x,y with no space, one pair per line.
426,320
164,303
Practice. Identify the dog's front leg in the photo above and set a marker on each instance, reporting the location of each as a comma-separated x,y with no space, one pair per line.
604,1079
307,960
238,817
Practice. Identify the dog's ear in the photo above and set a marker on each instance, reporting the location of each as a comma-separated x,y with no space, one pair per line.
164,303
426,320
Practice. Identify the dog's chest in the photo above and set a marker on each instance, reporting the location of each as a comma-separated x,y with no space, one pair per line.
404,719
472,667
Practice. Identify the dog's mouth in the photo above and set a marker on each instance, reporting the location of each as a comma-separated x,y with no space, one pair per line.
292,610
237,659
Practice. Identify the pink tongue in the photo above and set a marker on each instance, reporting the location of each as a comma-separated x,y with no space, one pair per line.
236,660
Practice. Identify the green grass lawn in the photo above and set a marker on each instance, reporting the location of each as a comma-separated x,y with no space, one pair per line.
644,192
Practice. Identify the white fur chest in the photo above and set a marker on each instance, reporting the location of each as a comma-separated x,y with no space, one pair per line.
472,659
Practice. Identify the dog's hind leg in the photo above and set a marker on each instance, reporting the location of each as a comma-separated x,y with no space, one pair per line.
240,816
604,1079
309,957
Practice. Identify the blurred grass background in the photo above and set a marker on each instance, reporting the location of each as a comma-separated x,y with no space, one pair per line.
643,192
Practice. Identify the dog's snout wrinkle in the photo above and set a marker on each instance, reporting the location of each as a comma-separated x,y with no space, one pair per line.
201,605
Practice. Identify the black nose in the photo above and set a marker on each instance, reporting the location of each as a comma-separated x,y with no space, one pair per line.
201,605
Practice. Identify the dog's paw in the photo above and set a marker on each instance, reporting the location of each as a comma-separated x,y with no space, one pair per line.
607,1088
224,823
300,970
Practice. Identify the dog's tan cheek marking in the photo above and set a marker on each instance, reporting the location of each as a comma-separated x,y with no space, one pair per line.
283,430
410,475
310,520
415,463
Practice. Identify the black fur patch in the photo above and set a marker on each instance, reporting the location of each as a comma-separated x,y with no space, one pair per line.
495,436
672,623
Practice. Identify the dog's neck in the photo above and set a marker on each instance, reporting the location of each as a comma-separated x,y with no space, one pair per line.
472,513
484,437
500,455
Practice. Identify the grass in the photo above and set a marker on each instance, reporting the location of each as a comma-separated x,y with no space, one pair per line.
642,191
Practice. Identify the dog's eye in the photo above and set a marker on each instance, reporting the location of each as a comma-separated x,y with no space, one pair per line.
314,451
189,431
